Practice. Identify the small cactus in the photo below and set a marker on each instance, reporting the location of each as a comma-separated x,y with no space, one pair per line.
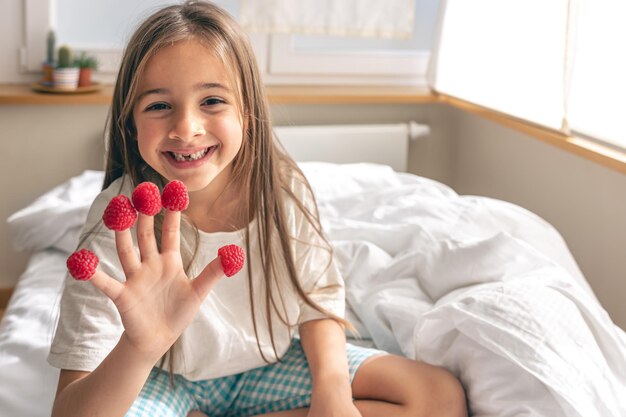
50,43
65,57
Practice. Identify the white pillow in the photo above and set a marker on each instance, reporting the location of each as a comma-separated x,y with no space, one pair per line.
55,218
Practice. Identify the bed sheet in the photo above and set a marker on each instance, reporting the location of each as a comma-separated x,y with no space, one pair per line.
27,382
480,286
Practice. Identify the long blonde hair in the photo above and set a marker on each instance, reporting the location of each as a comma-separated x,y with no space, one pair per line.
261,167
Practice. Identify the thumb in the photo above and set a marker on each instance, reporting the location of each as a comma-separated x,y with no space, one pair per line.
208,277
111,287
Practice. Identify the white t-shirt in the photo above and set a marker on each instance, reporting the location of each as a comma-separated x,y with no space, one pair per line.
220,340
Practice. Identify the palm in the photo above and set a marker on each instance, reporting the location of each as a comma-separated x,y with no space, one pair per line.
154,311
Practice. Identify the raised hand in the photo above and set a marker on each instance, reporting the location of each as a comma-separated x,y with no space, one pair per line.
158,300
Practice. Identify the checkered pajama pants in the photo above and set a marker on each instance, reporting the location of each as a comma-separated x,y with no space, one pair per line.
276,387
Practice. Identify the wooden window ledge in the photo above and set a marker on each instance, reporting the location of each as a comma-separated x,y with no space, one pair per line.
20,94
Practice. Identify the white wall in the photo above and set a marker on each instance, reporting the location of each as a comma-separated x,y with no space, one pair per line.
43,146
583,200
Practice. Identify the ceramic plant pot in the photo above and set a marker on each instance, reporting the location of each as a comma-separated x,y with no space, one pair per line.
84,79
65,78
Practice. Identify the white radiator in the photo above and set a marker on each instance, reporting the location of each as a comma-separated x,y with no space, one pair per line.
378,143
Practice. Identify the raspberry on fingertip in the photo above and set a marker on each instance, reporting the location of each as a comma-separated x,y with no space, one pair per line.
147,198
232,258
119,214
82,264
175,196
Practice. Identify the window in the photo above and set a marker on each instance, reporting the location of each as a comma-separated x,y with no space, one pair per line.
102,28
557,63
507,56
598,85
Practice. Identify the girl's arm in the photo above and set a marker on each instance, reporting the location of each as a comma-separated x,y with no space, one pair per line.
110,389
324,343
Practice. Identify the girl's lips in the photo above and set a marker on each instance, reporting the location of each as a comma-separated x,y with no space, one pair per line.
184,164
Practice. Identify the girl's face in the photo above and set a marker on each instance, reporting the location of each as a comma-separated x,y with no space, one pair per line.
188,123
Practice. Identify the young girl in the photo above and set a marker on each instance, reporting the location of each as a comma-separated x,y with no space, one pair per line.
189,105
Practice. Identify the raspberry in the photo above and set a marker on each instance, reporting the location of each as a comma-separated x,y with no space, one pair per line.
82,264
147,198
232,258
175,196
119,214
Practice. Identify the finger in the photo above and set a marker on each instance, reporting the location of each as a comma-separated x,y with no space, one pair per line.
208,277
111,287
145,237
126,251
170,234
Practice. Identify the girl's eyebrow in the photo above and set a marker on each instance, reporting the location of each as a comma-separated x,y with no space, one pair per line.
197,87
152,91
208,86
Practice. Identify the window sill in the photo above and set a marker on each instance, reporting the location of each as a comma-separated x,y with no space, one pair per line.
21,94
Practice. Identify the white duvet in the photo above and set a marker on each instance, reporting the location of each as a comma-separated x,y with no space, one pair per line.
480,286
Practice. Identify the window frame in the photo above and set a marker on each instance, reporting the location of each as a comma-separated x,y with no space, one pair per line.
381,67
279,62
37,21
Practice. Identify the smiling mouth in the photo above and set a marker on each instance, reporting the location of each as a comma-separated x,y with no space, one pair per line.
183,157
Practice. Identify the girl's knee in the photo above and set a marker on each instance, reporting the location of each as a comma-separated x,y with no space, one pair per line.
446,396
418,388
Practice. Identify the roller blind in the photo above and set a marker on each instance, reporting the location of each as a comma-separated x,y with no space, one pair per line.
360,18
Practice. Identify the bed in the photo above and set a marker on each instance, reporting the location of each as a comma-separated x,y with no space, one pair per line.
480,286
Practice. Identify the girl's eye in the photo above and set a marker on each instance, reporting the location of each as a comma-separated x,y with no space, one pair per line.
157,106
211,101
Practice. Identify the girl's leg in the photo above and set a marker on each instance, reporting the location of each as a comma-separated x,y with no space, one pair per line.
391,385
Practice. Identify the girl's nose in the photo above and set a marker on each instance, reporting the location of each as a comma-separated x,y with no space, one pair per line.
187,125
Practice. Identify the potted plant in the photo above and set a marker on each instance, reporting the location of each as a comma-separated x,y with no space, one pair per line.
49,64
87,65
65,75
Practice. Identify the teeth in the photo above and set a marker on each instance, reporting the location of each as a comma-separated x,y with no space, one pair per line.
189,157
